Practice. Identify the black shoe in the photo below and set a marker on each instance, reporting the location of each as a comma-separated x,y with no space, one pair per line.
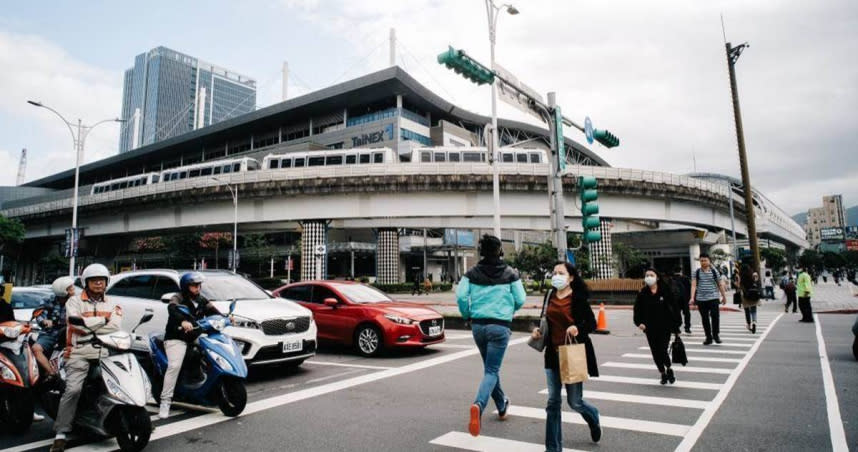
754,327
670,377
717,340
708,341
502,414
663,378
596,433
688,330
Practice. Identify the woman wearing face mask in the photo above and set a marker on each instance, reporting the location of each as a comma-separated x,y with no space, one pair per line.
569,315
657,315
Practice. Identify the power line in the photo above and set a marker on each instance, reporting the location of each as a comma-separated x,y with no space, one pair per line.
420,64
366,57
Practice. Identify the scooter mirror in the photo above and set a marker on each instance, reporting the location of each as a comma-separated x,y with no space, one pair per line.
147,316
231,307
37,313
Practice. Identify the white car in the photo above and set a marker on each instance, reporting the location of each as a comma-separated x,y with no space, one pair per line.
27,299
268,329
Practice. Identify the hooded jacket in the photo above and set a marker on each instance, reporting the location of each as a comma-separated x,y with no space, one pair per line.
490,292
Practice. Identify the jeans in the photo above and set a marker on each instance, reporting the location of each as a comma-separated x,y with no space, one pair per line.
492,341
750,314
574,396
658,342
710,309
686,313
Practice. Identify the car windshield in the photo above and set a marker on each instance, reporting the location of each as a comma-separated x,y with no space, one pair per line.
358,293
222,287
30,299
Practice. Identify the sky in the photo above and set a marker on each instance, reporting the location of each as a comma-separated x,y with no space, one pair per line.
653,73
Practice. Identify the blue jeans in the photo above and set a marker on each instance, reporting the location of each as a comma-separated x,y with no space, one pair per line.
574,395
492,341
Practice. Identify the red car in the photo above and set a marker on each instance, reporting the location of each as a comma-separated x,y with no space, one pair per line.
362,316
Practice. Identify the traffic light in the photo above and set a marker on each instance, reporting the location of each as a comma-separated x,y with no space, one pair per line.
607,139
458,61
590,222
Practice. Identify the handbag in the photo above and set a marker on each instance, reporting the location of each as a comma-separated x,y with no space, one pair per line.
677,352
539,344
737,297
573,362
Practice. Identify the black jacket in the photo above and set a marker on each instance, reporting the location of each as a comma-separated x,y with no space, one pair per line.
176,317
585,320
492,272
658,311
7,314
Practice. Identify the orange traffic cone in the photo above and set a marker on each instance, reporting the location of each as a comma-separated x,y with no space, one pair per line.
602,323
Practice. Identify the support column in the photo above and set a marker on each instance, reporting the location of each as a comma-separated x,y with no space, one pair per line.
387,256
601,253
314,233
694,256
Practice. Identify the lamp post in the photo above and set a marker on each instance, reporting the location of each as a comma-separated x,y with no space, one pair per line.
234,194
78,140
493,12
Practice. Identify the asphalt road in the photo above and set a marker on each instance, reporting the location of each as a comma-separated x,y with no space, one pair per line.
753,392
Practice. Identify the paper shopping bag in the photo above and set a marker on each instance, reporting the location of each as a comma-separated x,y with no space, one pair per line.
573,363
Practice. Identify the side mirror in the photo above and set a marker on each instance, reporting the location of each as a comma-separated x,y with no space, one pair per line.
332,302
167,297
147,316
231,307
77,321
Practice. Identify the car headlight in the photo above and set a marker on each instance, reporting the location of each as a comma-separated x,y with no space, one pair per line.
6,373
220,360
12,332
398,319
244,322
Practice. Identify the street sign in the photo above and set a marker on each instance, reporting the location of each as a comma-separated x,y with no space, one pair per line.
588,129
320,250
570,256
558,137
72,241
512,91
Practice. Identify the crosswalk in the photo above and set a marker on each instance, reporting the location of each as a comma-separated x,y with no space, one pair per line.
628,402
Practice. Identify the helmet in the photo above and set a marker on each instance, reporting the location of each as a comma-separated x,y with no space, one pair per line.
61,284
94,271
190,278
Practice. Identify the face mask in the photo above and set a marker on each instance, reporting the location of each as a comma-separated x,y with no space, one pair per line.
649,280
559,281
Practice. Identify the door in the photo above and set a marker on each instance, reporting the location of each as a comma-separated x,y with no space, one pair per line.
337,321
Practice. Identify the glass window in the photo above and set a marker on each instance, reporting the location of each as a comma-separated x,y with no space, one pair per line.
315,161
226,286
286,163
322,292
206,171
183,174
440,157
425,157
521,158
227,169
194,173
236,167
471,156
455,157
534,157
114,187
155,178
334,160
364,158
274,164
217,170
123,184
134,286
299,162
377,157
359,293
351,159
298,293
506,157
164,285
30,299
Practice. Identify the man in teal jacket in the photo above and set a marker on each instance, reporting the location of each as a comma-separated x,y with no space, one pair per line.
488,296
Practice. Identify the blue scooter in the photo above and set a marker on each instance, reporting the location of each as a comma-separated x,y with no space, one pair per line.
219,379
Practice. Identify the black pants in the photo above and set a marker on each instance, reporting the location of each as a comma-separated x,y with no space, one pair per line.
804,307
686,313
709,311
658,341
791,300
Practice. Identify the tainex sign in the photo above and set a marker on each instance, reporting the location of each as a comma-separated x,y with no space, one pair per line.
373,137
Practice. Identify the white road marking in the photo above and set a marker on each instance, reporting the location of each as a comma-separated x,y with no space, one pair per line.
484,443
744,338
30,446
206,420
705,350
650,382
636,425
697,429
706,370
835,423
458,346
691,358
359,366
330,377
454,337
647,400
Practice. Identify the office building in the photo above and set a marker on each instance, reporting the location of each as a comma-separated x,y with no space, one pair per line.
830,215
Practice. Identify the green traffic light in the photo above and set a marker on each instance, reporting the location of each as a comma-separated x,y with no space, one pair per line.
607,139
589,209
465,66
589,195
587,182
590,223
592,236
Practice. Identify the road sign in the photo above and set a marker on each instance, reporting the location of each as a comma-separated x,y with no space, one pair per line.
512,91
320,250
72,242
588,129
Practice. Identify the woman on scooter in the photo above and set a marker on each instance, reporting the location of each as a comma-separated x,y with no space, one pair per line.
180,332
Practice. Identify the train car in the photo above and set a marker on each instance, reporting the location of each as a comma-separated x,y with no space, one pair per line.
212,168
125,182
476,155
337,157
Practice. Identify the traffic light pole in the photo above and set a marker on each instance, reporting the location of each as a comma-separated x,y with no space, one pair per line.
733,54
555,183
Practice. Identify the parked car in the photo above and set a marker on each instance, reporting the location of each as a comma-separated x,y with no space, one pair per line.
354,314
27,299
268,329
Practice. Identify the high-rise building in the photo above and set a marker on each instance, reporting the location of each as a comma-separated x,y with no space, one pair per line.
830,215
168,93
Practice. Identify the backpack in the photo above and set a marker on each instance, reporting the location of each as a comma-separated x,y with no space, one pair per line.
715,275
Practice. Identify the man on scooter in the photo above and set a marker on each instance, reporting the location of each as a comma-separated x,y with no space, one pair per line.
99,314
180,332
53,321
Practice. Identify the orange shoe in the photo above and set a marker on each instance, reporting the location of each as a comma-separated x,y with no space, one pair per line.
474,424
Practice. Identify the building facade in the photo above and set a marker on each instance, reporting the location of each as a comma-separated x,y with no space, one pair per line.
167,93
830,215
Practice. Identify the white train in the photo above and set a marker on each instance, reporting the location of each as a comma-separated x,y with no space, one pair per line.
212,168
329,158
125,182
476,155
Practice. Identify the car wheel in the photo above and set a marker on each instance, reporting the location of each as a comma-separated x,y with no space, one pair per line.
368,340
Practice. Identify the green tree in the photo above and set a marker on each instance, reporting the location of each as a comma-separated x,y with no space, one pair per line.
811,260
183,247
775,258
718,257
535,261
258,248
833,260
629,261
11,232
851,258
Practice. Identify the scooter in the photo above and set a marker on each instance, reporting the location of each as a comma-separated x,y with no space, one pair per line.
19,373
114,396
214,372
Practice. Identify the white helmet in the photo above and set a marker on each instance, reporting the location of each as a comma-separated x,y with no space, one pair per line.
61,284
94,271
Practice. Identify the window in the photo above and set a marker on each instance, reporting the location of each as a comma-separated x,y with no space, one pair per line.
506,157
134,286
183,174
425,157
227,169
206,171
320,293
236,167
377,157
455,157
274,164
123,185
217,170
164,285
315,161
334,160
364,158
521,158
298,293
194,173
114,187
286,163
440,157
534,157
351,159
471,156
299,162
336,145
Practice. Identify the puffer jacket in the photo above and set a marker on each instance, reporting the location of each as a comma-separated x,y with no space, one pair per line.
490,292
103,317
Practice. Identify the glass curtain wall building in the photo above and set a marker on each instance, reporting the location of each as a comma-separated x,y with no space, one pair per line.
174,93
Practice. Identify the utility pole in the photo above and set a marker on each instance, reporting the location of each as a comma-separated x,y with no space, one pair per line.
733,54
555,178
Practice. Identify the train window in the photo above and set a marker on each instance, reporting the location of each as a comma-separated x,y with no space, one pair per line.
273,164
183,174
521,158
534,157
299,162
334,160
194,173
425,157
315,161
440,157
455,157
286,163
471,156
364,158
114,187
252,165
351,159
227,169
206,171
236,167
217,170
155,178
506,157
378,157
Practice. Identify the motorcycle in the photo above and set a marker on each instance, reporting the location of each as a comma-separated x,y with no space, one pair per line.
19,373
115,393
214,371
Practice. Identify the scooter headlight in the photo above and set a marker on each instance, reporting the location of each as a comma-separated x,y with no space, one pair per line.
121,341
218,324
221,361
116,391
6,373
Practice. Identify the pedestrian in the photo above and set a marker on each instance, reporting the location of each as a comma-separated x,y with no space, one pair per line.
784,280
569,316
769,284
804,289
416,287
790,292
749,283
656,314
488,296
706,291
682,284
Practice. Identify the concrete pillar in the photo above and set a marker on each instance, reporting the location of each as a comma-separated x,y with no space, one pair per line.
694,255
314,233
601,253
387,256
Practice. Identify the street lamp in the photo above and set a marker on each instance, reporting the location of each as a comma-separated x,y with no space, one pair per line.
493,12
234,194
78,141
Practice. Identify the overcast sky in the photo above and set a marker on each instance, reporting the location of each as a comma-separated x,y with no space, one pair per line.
654,73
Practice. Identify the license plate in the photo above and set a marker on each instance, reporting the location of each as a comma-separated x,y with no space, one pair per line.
294,346
434,330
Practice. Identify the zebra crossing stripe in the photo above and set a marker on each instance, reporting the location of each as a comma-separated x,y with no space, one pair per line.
692,369
714,349
691,358
636,425
746,338
646,400
482,443
650,382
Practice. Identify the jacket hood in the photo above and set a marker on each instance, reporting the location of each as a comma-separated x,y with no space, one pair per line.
491,273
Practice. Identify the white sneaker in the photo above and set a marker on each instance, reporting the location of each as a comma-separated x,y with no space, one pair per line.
164,410
38,417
